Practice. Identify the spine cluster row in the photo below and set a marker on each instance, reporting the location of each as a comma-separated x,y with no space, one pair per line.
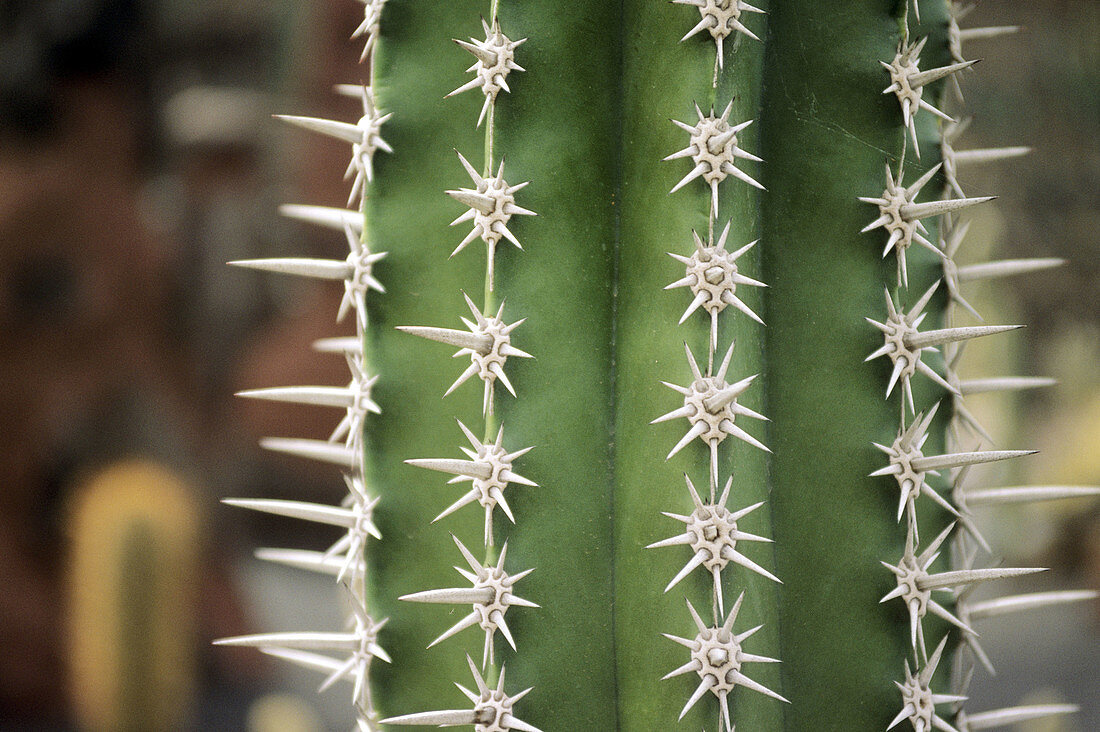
345,655
490,467
908,221
710,401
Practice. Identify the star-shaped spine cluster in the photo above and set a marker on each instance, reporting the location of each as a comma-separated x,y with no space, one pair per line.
365,137
907,83
490,598
717,657
900,215
916,583
356,272
489,469
712,276
492,710
919,702
492,205
361,167
355,398
712,146
710,406
720,18
495,60
488,343
712,535
904,344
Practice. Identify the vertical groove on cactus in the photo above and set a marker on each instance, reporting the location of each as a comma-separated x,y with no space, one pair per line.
824,278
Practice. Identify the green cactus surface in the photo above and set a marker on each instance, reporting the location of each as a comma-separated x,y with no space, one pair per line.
588,124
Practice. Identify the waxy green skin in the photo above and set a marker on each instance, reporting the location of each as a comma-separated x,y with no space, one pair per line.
588,124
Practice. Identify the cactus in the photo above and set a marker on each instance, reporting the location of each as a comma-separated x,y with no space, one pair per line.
133,572
774,203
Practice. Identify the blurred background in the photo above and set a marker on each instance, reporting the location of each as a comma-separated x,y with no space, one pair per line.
138,155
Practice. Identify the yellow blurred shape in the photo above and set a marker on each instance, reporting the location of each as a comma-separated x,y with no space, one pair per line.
283,713
132,598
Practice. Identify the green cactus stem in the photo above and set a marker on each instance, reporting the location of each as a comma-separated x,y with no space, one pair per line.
597,96
749,143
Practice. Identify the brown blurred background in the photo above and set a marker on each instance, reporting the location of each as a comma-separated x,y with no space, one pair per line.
138,155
